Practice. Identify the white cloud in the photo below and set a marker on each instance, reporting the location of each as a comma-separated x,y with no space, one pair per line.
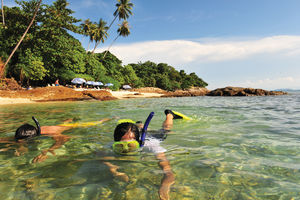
276,83
223,62
178,52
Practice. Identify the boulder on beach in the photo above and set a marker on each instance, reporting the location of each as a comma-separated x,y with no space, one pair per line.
239,91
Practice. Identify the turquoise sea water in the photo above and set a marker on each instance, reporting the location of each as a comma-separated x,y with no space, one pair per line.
234,148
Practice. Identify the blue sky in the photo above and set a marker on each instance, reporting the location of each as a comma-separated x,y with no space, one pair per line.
247,43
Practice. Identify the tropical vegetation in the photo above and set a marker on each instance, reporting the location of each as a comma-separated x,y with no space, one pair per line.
38,45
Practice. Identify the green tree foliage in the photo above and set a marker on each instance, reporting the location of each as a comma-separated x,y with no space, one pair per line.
62,55
130,77
30,67
113,66
49,51
166,77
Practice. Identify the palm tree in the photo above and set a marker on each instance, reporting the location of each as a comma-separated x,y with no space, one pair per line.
3,21
87,29
23,36
123,31
100,33
123,11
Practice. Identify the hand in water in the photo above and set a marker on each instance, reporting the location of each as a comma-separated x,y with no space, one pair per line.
113,169
43,156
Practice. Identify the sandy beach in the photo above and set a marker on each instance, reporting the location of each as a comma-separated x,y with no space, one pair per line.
5,101
61,93
49,94
129,94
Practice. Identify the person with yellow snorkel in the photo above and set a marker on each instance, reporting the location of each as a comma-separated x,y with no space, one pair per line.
128,140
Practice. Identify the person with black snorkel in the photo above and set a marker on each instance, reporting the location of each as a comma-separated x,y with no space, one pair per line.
128,140
27,131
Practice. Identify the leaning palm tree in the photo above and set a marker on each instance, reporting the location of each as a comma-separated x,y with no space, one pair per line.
100,34
23,36
3,21
87,30
123,11
92,33
123,31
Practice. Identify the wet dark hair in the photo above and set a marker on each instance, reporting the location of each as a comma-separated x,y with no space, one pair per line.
28,131
122,128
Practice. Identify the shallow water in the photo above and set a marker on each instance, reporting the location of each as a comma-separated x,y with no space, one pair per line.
234,148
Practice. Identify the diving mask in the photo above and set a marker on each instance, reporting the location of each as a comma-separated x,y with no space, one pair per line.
126,147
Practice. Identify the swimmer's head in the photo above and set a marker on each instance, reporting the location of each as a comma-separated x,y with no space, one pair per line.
126,147
28,131
126,131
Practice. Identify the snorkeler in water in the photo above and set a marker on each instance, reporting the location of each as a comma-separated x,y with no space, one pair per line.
27,131
127,137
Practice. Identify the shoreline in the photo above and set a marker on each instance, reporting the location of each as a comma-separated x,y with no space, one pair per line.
61,93
10,101
115,94
130,94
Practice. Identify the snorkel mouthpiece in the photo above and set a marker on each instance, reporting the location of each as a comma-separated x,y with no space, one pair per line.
37,125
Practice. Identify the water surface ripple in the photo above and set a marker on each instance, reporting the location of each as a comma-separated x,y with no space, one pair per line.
234,148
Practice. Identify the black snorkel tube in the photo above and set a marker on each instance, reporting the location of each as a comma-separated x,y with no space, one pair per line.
144,130
37,125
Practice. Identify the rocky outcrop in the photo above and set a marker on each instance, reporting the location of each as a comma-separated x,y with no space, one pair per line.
239,91
59,93
9,84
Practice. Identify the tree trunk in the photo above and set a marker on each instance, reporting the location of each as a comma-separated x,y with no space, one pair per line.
110,46
97,43
3,21
88,46
15,49
112,22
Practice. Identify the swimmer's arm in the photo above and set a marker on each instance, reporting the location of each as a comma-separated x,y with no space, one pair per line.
59,141
113,169
105,120
168,123
53,130
84,124
168,178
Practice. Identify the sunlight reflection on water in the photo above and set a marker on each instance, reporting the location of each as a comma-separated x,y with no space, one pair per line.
234,148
